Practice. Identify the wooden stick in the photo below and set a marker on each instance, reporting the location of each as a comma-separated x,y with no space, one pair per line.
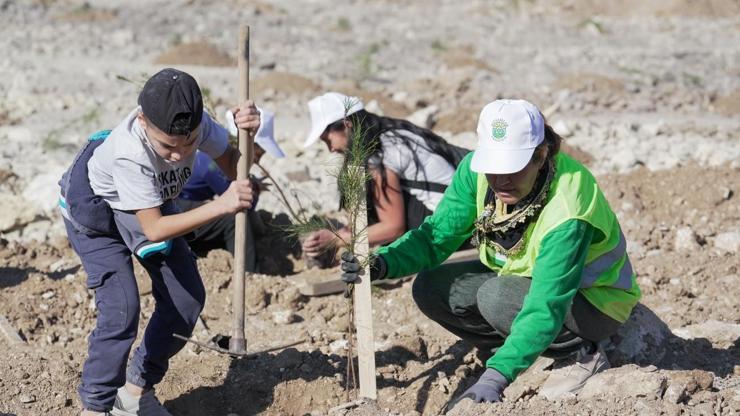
364,314
333,286
237,342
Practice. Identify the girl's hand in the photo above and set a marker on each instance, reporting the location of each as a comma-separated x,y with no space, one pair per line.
246,116
237,198
318,242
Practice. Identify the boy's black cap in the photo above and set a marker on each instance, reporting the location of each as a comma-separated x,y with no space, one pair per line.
171,95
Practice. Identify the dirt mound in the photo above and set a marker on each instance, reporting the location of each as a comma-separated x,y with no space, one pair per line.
285,83
728,105
88,13
195,53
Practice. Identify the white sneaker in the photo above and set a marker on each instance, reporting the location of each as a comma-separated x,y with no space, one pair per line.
145,405
571,378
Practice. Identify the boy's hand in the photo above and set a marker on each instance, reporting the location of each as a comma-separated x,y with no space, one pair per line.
238,197
246,116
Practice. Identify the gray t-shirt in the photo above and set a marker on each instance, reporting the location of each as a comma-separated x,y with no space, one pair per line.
399,158
129,175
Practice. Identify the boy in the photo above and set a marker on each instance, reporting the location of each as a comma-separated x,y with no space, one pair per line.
118,200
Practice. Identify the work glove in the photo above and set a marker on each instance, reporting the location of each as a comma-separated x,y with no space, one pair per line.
487,389
352,269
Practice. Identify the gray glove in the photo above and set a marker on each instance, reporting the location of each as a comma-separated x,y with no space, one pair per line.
487,389
352,269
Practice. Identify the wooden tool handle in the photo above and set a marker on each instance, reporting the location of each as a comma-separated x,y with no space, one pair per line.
237,342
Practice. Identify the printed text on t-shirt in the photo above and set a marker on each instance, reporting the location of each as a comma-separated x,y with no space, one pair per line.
171,182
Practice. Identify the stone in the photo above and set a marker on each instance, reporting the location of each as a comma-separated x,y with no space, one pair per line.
683,384
717,332
728,242
256,299
290,297
284,317
562,128
686,240
27,398
15,212
625,382
43,190
643,339
425,117
530,381
338,346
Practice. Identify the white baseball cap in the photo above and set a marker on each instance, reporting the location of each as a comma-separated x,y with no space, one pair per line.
264,137
329,108
508,133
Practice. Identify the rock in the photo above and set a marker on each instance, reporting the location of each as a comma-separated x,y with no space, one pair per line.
338,346
685,383
562,128
290,297
256,299
717,332
43,190
425,117
284,317
642,339
374,107
15,212
530,381
625,382
728,242
686,240
27,398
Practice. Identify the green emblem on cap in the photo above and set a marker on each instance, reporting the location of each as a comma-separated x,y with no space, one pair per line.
498,129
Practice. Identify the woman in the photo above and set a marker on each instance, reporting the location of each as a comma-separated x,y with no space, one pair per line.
553,275
410,168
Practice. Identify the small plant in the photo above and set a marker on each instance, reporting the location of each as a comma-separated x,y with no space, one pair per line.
365,61
592,22
343,24
438,46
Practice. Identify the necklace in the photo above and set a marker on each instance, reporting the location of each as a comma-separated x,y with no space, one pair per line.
502,227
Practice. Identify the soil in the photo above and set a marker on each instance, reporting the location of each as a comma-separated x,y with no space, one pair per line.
653,117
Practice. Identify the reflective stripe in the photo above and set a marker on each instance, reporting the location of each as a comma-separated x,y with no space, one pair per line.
149,249
499,259
594,270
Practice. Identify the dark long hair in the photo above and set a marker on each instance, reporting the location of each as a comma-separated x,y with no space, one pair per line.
374,126
552,141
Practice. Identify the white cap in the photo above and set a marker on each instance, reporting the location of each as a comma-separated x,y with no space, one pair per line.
264,136
508,133
329,108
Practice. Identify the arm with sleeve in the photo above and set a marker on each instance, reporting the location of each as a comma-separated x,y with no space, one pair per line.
441,233
216,180
215,137
555,281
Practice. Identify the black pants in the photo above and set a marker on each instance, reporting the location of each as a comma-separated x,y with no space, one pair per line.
477,305
220,234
